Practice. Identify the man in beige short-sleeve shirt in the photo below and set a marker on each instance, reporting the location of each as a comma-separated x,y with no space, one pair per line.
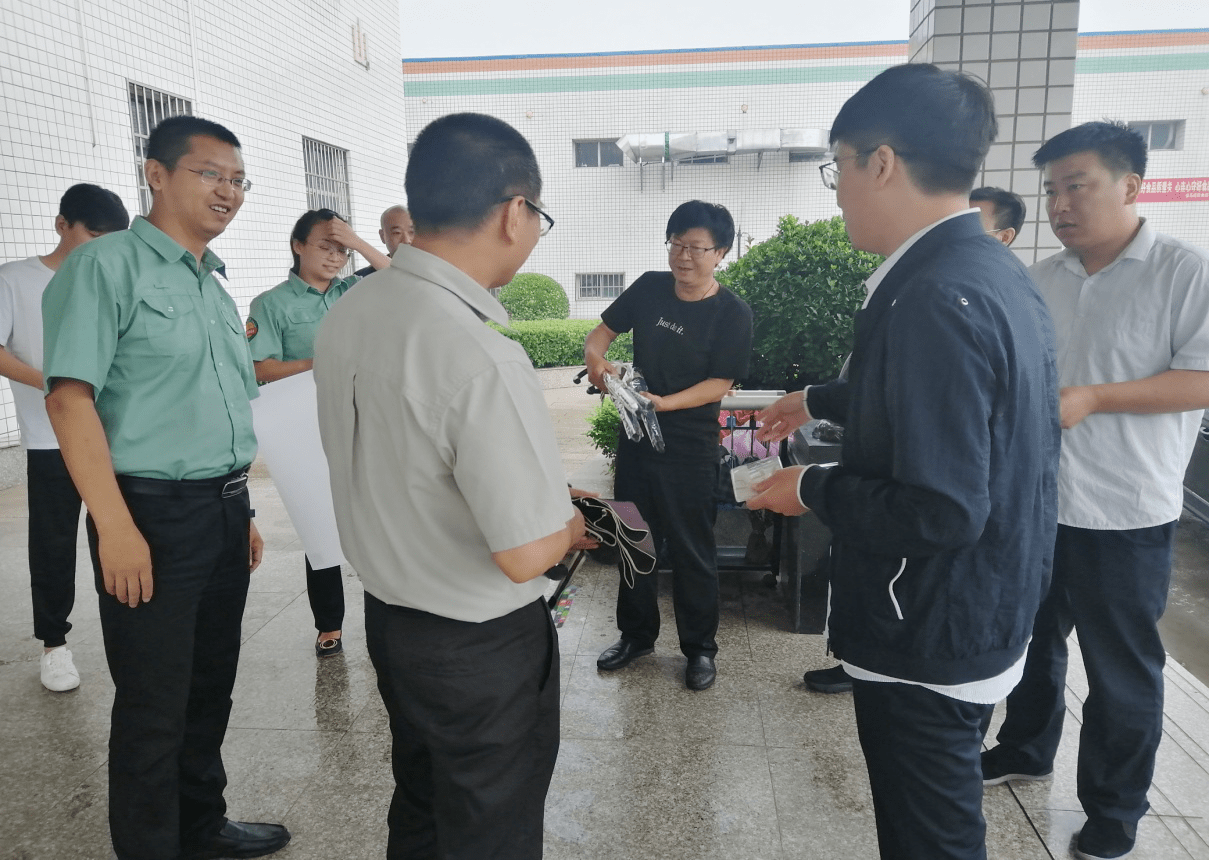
451,500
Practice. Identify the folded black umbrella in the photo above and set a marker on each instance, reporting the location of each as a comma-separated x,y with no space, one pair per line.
618,524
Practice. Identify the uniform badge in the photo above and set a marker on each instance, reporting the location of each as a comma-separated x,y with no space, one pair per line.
250,328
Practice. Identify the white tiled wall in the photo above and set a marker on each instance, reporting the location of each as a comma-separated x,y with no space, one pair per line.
272,71
1025,51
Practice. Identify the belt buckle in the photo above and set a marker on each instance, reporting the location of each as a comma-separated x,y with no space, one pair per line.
235,486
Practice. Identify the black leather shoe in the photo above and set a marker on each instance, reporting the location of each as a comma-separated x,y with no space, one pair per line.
621,653
833,680
700,673
238,839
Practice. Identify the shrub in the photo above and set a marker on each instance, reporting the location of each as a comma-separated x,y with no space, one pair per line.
604,427
534,297
804,287
560,343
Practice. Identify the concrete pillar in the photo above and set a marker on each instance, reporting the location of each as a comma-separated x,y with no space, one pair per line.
1025,51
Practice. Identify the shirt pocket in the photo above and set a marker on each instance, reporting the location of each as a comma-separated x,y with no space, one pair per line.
168,325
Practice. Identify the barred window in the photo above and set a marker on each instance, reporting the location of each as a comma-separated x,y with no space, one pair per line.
598,153
1168,134
705,159
326,169
148,108
600,285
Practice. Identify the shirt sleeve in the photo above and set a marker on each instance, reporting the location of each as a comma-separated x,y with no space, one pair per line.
264,330
730,349
6,311
507,465
80,323
1190,320
620,315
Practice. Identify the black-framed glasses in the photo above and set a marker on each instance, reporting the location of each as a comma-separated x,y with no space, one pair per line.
549,225
675,249
213,178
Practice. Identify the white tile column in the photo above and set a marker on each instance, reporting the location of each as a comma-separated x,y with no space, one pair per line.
1025,51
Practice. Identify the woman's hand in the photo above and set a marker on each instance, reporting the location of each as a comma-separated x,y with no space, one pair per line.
660,405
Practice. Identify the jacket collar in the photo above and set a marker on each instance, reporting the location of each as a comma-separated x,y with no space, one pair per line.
171,250
447,276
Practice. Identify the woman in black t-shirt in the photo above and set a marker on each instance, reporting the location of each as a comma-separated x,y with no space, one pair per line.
692,340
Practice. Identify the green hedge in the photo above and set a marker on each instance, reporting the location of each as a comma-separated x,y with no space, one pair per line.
531,296
560,343
804,286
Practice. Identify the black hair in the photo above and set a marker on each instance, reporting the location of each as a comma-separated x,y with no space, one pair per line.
97,208
1121,149
1008,206
940,122
710,216
464,164
303,227
170,139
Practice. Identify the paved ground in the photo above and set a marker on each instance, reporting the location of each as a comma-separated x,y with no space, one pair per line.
756,767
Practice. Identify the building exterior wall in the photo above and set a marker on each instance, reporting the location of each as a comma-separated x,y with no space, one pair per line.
272,71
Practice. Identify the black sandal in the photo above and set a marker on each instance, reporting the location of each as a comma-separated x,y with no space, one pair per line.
328,647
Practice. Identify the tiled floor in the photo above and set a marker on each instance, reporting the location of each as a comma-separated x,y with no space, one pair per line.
756,767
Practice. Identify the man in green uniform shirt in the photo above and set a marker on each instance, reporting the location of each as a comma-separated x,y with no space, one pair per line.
149,382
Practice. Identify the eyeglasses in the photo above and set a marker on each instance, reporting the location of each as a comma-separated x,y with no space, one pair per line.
547,227
213,178
675,249
831,174
331,250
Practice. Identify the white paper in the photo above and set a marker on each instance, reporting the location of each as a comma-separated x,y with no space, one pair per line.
744,478
286,419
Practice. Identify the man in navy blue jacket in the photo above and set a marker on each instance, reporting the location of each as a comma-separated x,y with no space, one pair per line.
944,508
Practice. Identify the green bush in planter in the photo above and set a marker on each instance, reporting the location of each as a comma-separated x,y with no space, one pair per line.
531,296
804,286
604,425
560,343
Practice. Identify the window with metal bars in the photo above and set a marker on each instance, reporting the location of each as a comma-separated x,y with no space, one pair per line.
326,169
148,108
600,285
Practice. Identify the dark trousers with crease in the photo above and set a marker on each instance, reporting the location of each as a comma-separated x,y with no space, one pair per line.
474,726
54,521
922,753
173,662
1110,586
325,591
677,500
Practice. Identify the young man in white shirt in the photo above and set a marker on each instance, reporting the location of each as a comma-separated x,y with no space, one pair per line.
1131,316
85,212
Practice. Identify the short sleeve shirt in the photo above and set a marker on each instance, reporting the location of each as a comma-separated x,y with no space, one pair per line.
282,321
678,344
135,316
22,283
438,440
1146,313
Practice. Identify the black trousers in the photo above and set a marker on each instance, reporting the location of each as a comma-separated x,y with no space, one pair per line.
1112,587
922,752
54,521
677,499
474,723
173,662
325,591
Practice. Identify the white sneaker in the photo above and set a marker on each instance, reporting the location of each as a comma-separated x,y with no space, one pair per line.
58,671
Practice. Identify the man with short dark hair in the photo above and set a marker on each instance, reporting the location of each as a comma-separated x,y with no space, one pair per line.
1002,212
1131,310
430,420
396,229
85,212
149,381
943,510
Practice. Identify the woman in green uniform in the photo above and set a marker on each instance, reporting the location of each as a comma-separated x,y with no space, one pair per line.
281,334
